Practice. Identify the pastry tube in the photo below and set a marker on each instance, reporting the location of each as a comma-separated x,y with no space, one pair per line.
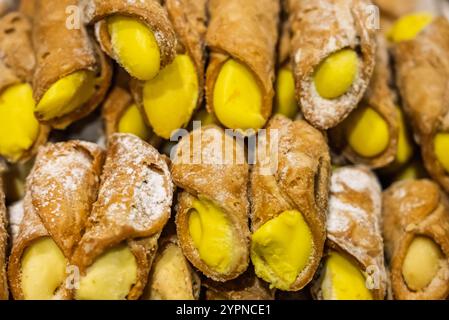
333,57
172,277
354,266
245,287
425,59
4,293
416,235
20,132
242,37
132,33
212,213
170,99
289,203
375,134
132,207
60,192
72,75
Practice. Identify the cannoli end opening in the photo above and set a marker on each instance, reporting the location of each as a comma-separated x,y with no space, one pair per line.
285,103
405,145
441,149
281,249
132,122
409,26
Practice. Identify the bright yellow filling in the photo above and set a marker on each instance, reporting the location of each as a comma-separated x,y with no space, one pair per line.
132,122
204,117
43,270
66,95
285,94
343,280
409,26
110,277
405,147
238,97
441,145
281,249
135,47
336,74
367,132
421,263
212,235
18,126
170,98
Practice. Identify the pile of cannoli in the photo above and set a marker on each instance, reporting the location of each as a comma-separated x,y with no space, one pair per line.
224,149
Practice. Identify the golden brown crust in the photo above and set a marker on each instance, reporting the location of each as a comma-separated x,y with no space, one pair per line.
56,46
425,60
133,205
27,7
7,6
115,105
299,181
61,189
394,9
225,186
248,32
3,242
320,28
148,11
416,208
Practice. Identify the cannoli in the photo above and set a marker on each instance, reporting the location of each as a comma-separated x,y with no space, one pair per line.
421,52
333,55
242,37
212,213
245,287
20,132
116,251
72,75
353,268
416,235
289,196
375,134
4,294
60,192
172,277
169,100
136,34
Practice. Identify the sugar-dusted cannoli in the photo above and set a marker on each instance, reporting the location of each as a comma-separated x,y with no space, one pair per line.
136,34
353,268
169,100
242,37
375,134
116,251
416,235
72,75
20,132
289,200
421,54
213,207
333,49
60,192
4,293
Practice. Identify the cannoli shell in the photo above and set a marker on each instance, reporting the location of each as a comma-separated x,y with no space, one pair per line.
27,7
422,72
416,208
226,187
3,241
248,32
299,180
320,28
6,6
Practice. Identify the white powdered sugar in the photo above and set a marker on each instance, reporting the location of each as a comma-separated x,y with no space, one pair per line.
15,216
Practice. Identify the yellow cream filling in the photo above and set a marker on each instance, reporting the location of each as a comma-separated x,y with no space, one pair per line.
238,97
171,97
281,249
43,269
421,263
367,132
110,277
441,148
409,26
336,74
132,122
66,95
135,47
405,146
212,235
19,128
285,94
343,280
